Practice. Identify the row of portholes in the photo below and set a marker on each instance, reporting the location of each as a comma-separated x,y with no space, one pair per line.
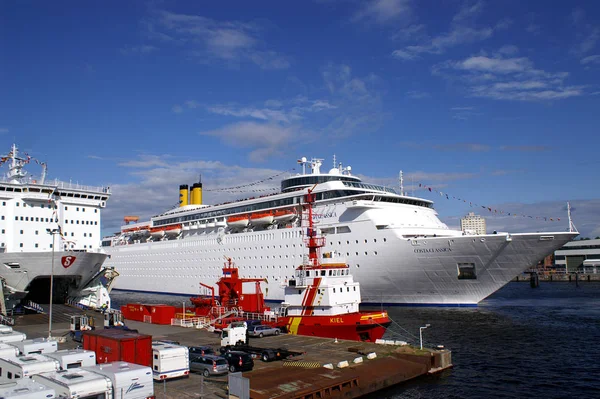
366,241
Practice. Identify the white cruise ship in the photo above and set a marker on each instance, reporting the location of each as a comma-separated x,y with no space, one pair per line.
44,223
397,248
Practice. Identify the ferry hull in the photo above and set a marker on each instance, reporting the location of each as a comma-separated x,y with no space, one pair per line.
363,326
35,268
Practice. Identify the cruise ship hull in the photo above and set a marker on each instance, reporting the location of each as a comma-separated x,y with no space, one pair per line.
390,268
27,274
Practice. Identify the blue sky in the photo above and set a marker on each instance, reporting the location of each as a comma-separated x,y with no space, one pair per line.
492,102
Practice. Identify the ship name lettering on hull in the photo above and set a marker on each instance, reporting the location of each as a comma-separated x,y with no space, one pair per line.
431,250
334,320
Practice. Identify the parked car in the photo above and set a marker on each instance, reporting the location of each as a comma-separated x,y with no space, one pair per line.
209,365
261,331
239,361
201,350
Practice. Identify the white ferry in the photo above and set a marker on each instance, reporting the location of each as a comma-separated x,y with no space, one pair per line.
46,227
395,245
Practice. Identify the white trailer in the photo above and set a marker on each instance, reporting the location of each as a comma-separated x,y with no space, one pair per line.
4,327
8,350
24,366
169,361
12,336
36,345
77,383
130,381
74,358
26,389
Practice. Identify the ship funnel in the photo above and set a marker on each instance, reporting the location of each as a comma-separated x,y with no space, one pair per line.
183,195
196,194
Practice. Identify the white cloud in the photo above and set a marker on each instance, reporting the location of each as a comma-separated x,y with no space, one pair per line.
3,130
508,49
266,139
231,42
586,33
177,109
507,79
404,55
382,11
592,59
462,31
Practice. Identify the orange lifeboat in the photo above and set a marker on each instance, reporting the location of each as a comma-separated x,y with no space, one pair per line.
262,218
238,221
172,231
284,215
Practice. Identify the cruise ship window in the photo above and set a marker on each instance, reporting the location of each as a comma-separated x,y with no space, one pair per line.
21,245
36,244
2,217
82,209
66,208
21,231
27,218
17,204
77,209
3,203
3,231
72,234
36,232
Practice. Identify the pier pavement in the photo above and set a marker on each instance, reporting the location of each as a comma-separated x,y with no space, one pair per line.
304,377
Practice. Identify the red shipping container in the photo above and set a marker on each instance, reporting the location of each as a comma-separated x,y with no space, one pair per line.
162,314
135,311
112,345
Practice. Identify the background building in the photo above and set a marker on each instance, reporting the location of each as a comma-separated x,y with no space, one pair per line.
473,223
579,256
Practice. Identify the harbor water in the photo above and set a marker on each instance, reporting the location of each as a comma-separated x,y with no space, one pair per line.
521,342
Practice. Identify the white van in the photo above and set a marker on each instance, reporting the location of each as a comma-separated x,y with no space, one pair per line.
73,358
26,389
12,336
169,361
36,345
130,381
77,383
8,350
24,366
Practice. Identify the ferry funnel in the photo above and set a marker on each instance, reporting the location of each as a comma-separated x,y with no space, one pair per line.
183,195
196,194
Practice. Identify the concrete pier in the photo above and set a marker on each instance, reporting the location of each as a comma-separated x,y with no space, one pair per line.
304,377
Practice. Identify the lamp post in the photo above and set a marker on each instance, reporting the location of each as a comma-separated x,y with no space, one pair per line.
53,232
421,333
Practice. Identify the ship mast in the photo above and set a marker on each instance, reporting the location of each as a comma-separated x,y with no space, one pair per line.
572,228
313,242
401,178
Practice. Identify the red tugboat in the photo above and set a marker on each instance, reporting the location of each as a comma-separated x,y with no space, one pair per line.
323,299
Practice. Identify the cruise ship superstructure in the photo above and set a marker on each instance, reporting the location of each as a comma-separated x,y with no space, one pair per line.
36,215
396,246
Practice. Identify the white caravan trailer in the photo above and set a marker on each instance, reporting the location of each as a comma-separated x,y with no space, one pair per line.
24,366
26,389
4,327
169,361
12,336
73,358
36,345
130,381
77,383
8,350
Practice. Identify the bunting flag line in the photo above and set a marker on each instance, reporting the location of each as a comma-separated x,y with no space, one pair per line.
236,189
489,209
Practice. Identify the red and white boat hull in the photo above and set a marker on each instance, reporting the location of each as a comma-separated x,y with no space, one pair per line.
363,326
